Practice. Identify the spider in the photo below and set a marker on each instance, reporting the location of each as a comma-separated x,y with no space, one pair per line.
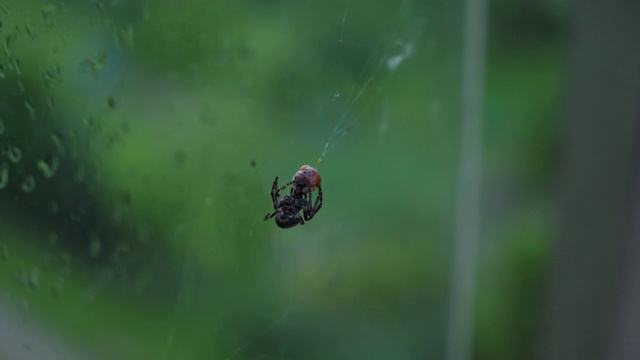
287,208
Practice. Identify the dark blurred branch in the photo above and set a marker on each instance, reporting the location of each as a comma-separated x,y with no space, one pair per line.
593,307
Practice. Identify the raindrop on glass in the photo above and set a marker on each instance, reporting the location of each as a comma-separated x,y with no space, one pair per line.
111,102
81,174
92,123
21,88
48,166
52,76
65,257
56,138
7,45
24,309
14,64
31,109
28,184
4,175
30,32
20,276
55,206
48,15
34,279
95,64
95,246
15,154
53,238
4,252
56,288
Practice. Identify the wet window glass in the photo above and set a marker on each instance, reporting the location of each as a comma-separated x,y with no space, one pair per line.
140,143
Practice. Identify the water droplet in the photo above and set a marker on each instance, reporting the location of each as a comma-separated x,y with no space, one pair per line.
34,279
52,76
20,276
146,13
4,252
31,109
65,257
124,35
48,78
55,206
95,64
21,88
51,104
7,45
30,32
48,166
119,252
48,12
111,102
95,246
4,175
28,184
92,123
15,154
75,216
24,309
81,174
56,288
53,238
56,138
14,64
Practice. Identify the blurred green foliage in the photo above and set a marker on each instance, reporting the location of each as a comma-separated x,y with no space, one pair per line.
151,132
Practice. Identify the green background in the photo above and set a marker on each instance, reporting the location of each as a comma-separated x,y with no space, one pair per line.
140,139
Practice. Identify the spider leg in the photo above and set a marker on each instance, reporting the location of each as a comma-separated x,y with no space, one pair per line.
269,216
318,204
284,186
275,193
308,211
306,208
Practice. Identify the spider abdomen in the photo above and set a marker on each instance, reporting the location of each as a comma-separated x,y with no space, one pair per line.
307,179
287,220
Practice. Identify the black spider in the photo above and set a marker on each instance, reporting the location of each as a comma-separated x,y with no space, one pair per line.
288,208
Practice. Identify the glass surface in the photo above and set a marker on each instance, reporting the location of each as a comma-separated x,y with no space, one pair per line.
140,141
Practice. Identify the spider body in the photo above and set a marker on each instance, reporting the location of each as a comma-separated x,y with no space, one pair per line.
288,207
